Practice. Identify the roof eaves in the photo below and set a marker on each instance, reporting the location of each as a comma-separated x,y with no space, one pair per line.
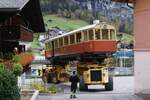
71,32
9,9
24,4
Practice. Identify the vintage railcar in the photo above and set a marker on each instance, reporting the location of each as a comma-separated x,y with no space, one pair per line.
96,39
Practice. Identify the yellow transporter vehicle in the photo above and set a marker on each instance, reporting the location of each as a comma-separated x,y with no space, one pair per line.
56,74
94,74
89,74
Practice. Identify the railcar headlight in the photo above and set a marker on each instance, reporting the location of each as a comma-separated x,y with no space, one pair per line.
104,74
87,75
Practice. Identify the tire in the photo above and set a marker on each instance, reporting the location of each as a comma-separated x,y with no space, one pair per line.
109,85
82,85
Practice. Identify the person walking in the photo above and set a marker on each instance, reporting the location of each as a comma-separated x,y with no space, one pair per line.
44,78
74,80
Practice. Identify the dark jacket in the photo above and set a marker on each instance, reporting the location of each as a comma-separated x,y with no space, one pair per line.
74,80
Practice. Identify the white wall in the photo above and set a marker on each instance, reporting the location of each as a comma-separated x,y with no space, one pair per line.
142,72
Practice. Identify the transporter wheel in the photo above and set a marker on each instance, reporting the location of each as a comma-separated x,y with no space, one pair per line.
82,85
109,85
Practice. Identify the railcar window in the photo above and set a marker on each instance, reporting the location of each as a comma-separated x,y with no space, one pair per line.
46,45
56,43
112,34
85,34
72,39
78,37
66,40
49,45
91,35
97,34
60,42
105,34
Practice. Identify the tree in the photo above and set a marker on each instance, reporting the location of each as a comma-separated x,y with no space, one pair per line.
8,85
17,69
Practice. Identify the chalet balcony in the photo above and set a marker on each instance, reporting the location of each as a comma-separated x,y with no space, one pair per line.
16,33
25,58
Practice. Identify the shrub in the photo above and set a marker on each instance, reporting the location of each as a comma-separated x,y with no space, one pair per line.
8,86
39,87
2,66
52,89
17,69
7,56
16,58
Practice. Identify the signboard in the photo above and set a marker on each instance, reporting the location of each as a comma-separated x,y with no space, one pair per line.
36,72
123,54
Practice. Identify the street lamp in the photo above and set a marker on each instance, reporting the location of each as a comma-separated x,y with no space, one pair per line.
120,35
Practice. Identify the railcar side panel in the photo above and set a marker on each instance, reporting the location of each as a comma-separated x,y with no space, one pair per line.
85,47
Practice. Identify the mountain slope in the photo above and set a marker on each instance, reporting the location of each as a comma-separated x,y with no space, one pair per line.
63,23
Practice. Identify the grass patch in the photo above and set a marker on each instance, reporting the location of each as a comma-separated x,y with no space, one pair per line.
63,23
127,38
35,45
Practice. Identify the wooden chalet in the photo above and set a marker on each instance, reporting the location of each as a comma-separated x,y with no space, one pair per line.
19,19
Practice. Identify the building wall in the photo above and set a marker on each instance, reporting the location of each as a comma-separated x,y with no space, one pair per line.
142,45
141,24
142,70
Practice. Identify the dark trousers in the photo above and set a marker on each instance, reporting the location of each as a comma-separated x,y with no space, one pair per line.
73,87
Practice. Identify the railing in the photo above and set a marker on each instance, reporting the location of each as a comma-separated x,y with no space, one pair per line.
26,34
18,32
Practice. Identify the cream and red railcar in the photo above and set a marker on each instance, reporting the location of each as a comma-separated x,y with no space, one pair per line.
93,41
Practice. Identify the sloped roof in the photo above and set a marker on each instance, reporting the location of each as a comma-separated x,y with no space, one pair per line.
81,29
28,9
13,3
33,14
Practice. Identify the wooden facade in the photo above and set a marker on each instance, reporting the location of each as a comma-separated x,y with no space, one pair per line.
19,24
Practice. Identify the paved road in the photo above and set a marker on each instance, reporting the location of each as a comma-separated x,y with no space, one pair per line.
123,85
123,90
92,96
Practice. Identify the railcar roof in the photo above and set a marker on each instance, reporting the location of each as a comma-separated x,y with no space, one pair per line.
81,29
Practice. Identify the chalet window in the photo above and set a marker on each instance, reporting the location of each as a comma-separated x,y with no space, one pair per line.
66,40
105,34
72,39
78,37
85,34
60,42
97,34
112,34
91,36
